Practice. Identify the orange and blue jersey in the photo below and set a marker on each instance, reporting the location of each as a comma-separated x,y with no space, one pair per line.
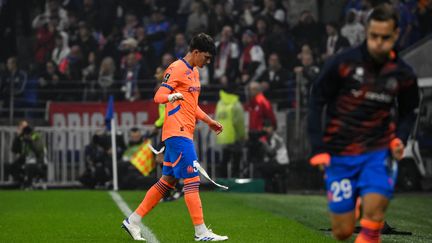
180,119
180,116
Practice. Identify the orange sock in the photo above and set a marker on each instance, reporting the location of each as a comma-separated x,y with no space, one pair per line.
193,200
370,232
153,196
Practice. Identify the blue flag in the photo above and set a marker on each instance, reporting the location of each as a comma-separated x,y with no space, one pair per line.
109,114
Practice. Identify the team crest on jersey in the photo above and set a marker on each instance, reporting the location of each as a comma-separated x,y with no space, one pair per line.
166,77
191,169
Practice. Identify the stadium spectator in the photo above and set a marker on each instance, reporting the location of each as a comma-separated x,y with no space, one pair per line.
131,74
252,59
218,18
49,83
407,22
13,83
306,73
52,8
145,48
331,11
263,29
44,43
86,42
128,174
89,77
131,25
272,11
295,9
180,46
230,113
226,58
333,42
28,167
128,46
96,173
273,168
61,49
247,14
260,109
89,13
308,30
276,79
281,42
157,29
197,20
167,59
98,160
72,28
71,68
107,80
352,29
304,50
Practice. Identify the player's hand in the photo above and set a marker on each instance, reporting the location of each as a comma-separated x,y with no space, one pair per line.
174,97
215,126
320,160
397,148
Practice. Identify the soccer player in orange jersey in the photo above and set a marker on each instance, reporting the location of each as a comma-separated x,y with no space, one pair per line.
180,92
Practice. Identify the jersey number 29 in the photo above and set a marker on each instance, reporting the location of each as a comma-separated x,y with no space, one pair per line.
341,190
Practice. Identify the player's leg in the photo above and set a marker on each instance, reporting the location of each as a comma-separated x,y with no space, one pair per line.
153,196
342,225
186,169
374,206
376,184
341,184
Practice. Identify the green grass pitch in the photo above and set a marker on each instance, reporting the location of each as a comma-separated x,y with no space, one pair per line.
92,216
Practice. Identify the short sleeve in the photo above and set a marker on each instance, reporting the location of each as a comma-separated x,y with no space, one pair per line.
171,78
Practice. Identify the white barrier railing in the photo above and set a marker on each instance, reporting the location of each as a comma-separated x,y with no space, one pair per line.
65,149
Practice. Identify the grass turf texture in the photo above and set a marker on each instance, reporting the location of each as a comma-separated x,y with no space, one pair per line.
92,216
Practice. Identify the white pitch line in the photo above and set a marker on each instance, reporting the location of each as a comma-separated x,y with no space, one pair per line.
146,232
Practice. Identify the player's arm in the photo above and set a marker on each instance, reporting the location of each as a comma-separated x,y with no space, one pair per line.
324,88
408,101
166,93
214,125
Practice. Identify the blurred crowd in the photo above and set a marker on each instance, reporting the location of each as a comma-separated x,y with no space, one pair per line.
267,53
85,50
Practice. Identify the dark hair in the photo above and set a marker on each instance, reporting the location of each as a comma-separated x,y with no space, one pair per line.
384,12
334,25
203,43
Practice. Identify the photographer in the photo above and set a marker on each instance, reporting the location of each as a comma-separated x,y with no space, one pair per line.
29,153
